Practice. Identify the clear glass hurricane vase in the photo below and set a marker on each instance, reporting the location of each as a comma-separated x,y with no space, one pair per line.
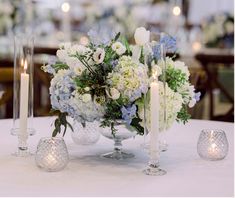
23,91
155,39
123,132
153,103
85,134
51,154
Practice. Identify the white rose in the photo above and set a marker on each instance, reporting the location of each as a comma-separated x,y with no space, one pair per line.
86,98
99,55
141,36
115,94
119,48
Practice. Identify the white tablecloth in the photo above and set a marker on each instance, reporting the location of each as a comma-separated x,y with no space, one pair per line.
89,175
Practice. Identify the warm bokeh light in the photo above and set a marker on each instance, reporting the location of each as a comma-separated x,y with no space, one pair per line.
84,40
176,10
196,46
65,7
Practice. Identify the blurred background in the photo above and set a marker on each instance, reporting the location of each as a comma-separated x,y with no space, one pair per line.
204,31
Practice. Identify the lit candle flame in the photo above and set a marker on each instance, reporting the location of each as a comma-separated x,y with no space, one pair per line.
22,62
25,66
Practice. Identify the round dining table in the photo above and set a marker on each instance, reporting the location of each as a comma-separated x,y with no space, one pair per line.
88,174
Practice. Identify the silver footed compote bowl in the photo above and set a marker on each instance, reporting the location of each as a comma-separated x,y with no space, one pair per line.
124,131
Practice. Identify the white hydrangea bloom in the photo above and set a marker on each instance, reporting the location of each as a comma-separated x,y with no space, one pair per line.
129,78
174,103
85,109
188,94
181,66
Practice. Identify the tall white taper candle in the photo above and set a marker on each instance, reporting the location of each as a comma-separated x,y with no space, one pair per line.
154,113
24,96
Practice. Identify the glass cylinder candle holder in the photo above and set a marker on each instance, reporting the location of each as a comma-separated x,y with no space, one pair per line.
152,115
23,90
52,154
23,66
212,144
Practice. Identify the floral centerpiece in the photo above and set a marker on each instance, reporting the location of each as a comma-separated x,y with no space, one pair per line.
107,79
218,31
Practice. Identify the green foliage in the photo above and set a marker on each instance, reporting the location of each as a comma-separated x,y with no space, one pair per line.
112,114
59,122
175,78
126,44
136,124
117,36
59,65
183,115
142,55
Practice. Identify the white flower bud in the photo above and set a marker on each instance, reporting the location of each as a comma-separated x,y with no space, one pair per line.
142,36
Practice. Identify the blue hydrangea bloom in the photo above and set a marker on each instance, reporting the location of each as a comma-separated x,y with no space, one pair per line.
197,96
128,113
61,90
114,63
101,34
136,94
169,43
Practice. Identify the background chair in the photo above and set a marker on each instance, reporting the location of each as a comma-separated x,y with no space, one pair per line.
211,62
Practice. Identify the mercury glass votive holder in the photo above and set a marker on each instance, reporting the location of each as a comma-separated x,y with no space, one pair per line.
52,154
212,144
